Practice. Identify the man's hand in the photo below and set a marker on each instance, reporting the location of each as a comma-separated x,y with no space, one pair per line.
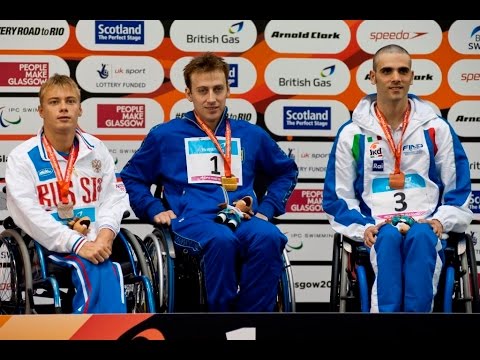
95,252
105,238
99,250
436,225
370,234
164,217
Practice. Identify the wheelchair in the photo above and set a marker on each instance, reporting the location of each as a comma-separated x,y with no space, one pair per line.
31,284
352,276
178,277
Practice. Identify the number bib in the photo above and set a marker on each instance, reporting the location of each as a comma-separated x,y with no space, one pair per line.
206,165
412,200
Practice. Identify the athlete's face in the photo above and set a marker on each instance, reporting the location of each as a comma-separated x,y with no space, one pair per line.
209,94
393,76
60,109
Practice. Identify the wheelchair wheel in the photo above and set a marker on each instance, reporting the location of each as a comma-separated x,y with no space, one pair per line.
351,276
161,255
458,284
138,251
469,276
16,289
335,276
190,291
138,279
286,289
347,287
472,266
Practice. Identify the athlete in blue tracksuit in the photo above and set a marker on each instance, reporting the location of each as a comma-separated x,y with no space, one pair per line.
181,156
360,195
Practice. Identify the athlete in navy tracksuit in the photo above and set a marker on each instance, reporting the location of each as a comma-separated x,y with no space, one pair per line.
359,196
181,157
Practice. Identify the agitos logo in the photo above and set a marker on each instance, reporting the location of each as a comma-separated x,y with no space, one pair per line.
290,248
6,123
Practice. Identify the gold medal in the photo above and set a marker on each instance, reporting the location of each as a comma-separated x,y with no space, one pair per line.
229,183
65,211
397,181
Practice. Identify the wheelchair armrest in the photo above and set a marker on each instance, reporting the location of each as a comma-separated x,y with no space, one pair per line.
455,236
126,214
8,223
454,239
163,227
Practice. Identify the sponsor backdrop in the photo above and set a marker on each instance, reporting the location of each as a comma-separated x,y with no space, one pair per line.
300,80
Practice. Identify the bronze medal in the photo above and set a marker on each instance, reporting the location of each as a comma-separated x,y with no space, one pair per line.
65,211
229,183
397,181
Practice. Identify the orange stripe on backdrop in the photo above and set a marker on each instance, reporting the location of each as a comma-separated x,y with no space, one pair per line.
120,137
260,55
16,136
20,137
444,97
73,327
260,96
40,327
4,319
110,326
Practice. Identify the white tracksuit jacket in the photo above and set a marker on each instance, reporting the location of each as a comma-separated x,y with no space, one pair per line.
33,195
356,193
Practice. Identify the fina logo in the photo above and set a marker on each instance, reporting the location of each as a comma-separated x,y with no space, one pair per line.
412,149
120,32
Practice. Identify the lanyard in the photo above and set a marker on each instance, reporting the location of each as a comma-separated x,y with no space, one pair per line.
396,150
63,182
227,156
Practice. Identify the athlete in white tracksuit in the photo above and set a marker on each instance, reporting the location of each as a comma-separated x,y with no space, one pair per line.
357,195
96,191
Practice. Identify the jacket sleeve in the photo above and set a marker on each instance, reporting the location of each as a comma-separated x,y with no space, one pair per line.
139,174
113,200
340,200
281,173
453,167
29,215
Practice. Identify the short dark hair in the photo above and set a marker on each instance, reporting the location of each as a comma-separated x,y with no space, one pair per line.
206,62
391,48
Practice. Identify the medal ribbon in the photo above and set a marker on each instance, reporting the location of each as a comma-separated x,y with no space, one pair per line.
396,150
227,156
63,182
